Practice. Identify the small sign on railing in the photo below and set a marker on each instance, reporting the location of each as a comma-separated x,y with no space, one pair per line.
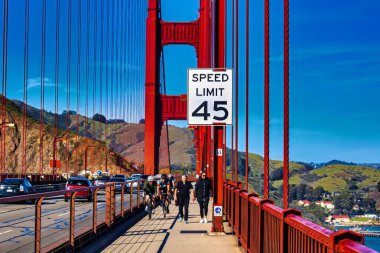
218,211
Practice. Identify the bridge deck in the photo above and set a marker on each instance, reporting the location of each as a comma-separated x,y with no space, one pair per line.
171,235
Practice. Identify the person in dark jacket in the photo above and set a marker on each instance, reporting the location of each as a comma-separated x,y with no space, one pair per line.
182,192
203,192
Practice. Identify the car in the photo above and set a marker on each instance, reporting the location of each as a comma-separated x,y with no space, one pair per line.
120,176
79,182
15,186
101,181
118,183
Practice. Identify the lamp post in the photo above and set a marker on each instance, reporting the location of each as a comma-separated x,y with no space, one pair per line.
85,157
3,125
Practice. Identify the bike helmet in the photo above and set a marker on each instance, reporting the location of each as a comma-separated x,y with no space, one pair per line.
150,178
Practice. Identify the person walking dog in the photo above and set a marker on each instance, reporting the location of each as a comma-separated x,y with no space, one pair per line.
203,192
182,192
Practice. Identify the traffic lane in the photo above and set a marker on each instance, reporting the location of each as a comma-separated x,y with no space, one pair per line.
54,225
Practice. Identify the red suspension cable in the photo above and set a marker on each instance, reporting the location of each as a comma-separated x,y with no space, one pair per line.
286,102
246,93
237,94
4,84
26,62
68,77
266,100
232,154
42,98
56,81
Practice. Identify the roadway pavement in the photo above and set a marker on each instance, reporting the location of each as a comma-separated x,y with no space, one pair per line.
17,221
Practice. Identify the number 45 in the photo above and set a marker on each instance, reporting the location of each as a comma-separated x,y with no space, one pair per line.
218,106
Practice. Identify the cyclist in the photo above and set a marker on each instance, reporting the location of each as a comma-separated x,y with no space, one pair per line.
150,192
165,188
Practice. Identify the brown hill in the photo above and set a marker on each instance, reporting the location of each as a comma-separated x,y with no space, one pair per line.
72,160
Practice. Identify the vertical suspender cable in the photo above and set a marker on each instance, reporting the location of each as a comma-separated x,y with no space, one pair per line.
101,67
56,84
79,54
117,66
87,67
42,98
112,57
232,154
246,92
286,102
266,99
107,83
4,83
94,81
68,69
237,94
78,66
26,62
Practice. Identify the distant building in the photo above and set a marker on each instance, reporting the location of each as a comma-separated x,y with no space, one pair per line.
326,204
303,203
336,194
338,218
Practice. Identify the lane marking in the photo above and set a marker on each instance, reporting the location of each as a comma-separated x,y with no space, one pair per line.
6,232
63,214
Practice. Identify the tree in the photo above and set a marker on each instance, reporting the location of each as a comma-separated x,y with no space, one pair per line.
277,174
99,117
343,202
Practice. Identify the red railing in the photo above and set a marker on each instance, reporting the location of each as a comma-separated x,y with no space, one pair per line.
260,226
78,238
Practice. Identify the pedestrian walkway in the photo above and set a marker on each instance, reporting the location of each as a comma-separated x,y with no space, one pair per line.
170,235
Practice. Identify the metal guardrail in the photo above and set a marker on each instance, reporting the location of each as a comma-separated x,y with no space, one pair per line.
77,239
49,187
260,226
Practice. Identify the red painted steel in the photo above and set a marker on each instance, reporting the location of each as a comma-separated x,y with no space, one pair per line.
286,103
348,246
174,107
180,33
266,99
264,227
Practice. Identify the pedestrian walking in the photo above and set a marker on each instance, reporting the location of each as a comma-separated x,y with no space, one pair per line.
203,192
182,192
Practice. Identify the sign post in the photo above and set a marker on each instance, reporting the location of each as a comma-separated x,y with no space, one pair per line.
209,103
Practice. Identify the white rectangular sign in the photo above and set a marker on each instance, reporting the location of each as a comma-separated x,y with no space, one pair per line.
209,96
219,152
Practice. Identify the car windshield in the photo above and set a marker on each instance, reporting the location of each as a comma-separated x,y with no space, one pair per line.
12,181
78,182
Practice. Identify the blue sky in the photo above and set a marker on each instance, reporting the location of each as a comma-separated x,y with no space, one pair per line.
334,72
334,77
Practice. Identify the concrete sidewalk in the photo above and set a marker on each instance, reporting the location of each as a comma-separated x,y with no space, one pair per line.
170,235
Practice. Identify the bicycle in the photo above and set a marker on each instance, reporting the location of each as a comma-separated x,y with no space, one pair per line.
149,204
165,204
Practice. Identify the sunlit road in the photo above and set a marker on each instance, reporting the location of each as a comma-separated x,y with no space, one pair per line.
17,221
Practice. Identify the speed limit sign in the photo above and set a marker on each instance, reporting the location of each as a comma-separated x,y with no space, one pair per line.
209,96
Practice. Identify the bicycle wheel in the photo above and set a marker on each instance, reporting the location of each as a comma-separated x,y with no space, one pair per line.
150,208
164,208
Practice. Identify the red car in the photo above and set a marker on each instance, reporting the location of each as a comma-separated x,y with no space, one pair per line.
75,183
